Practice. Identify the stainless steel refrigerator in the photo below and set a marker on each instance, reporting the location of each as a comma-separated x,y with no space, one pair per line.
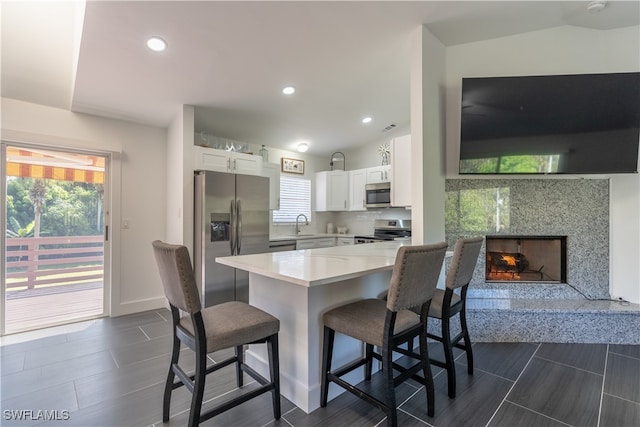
231,218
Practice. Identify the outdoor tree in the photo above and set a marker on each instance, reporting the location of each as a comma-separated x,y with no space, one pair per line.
37,194
66,208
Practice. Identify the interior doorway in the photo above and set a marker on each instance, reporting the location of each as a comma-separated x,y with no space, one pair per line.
54,241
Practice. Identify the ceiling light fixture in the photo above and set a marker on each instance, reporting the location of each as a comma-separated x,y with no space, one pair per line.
302,147
366,120
596,6
289,90
156,44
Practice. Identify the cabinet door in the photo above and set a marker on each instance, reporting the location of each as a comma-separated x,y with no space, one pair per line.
246,164
332,191
386,171
272,171
401,171
344,241
315,243
209,159
374,175
378,174
338,191
357,196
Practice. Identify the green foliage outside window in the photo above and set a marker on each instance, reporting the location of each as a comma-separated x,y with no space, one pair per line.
68,208
476,211
511,164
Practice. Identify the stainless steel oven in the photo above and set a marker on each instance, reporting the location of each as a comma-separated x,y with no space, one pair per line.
378,195
387,229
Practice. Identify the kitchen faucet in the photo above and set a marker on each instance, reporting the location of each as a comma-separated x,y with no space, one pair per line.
306,220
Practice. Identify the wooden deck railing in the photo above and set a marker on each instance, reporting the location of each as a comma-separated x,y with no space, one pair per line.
31,262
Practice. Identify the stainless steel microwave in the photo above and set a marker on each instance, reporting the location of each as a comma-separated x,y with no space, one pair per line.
378,195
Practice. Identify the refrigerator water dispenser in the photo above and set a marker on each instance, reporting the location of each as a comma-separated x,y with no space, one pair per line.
220,227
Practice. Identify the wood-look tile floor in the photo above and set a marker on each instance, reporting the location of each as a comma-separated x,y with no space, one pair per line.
110,372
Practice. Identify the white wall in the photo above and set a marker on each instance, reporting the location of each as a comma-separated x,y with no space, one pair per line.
367,155
140,195
561,50
625,233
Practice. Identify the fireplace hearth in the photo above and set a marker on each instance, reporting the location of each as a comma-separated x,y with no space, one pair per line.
526,259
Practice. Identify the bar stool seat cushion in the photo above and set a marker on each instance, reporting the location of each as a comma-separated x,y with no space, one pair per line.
233,323
435,309
364,320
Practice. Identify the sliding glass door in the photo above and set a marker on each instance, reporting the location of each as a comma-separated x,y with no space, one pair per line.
54,245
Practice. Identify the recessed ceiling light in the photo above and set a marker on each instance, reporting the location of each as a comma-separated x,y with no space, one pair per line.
289,90
156,44
302,147
367,120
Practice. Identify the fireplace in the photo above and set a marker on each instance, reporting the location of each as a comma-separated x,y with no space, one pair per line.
526,259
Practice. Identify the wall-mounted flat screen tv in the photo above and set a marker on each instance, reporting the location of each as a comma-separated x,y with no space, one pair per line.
557,124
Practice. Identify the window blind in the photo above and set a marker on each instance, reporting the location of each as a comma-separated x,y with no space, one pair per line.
295,199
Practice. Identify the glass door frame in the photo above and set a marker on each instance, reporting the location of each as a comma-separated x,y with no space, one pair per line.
110,158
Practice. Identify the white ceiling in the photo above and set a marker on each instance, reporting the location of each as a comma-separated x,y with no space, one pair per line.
231,59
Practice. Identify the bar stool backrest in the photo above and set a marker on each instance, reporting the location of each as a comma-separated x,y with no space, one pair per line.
178,279
414,268
463,262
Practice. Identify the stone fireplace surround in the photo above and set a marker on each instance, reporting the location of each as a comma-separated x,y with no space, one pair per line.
576,208
578,311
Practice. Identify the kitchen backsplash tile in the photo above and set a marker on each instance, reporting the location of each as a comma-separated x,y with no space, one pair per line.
359,222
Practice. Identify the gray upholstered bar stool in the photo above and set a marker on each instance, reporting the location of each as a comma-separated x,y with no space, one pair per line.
388,324
205,330
447,303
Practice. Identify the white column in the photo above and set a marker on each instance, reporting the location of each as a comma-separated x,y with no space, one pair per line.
427,136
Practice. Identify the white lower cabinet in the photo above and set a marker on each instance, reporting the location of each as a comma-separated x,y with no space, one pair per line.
344,241
323,242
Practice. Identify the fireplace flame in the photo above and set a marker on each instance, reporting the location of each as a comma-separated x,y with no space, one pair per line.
510,260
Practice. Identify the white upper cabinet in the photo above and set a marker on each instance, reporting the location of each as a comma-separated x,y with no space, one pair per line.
357,196
227,161
332,191
378,174
272,171
401,171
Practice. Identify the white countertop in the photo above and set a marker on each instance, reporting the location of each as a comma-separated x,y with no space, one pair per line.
312,267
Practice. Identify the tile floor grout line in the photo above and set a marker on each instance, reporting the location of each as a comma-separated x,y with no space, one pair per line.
282,416
571,366
513,385
114,358
145,334
414,417
161,316
604,379
211,399
539,413
625,356
621,398
494,375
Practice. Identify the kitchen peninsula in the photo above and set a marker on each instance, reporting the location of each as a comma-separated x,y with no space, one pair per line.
298,287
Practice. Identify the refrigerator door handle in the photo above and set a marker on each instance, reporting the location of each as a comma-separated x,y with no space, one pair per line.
239,225
233,237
